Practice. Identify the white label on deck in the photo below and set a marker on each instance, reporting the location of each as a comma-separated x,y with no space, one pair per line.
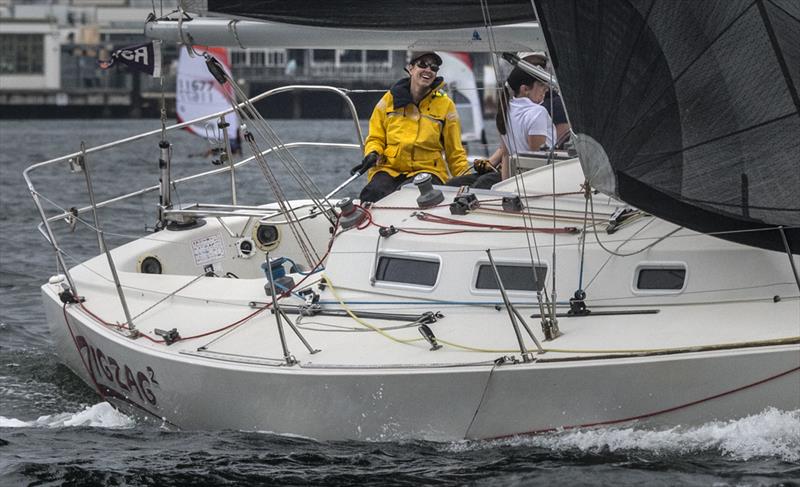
208,249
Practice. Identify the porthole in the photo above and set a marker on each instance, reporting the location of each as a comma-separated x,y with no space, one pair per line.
407,271
266,237
150,265
245,247
660,277
515,277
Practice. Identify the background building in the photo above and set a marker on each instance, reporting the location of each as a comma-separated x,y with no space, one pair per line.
49,52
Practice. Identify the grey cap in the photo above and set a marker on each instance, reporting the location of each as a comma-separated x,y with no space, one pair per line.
534,57
416,55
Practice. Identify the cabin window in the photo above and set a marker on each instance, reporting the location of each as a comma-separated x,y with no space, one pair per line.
661,278
407,271
515,277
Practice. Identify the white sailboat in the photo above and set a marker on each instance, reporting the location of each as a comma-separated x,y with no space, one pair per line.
451,320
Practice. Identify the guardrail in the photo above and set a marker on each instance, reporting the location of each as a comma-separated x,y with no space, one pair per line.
79,160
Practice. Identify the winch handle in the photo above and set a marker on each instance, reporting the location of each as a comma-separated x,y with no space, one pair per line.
343,185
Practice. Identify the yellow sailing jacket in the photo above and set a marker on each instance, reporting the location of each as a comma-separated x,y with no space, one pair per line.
411,138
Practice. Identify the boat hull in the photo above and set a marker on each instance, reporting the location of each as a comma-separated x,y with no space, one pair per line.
195,391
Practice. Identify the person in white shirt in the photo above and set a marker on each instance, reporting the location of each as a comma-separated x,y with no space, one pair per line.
524,126
522,121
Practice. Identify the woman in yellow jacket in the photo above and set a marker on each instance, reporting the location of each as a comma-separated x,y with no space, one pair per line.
410,127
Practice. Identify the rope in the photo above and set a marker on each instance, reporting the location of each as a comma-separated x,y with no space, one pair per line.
658,412
629,351
80,355
646,247
583,233
361,321
429,217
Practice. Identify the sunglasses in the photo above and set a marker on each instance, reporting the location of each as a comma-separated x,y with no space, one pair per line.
433,67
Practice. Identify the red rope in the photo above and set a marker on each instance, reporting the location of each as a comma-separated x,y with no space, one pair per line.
78,349
428,217
226,327
370,221
654,413
96,385
443,205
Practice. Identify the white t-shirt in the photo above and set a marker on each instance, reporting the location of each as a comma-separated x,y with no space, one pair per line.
526,118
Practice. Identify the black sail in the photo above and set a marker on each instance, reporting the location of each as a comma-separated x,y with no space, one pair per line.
382,14
687,109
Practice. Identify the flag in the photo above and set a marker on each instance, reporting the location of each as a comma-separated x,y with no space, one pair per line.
142,57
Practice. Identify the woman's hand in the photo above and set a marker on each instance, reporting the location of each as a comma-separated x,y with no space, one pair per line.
366,163
483,166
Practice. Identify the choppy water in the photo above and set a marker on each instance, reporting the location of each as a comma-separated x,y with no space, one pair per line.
55,430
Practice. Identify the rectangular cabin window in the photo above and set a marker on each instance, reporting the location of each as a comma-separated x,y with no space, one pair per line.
662,278
407,271
515,277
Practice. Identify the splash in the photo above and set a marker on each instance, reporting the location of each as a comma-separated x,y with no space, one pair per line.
100,415
772,433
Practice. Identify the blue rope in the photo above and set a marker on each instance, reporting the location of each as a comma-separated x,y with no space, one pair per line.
444,303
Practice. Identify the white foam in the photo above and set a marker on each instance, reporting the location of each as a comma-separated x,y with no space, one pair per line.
772,433
100,415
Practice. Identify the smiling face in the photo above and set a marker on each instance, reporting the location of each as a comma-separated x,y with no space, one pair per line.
423,72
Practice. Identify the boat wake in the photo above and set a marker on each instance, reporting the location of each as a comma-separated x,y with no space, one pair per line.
772,433
101,415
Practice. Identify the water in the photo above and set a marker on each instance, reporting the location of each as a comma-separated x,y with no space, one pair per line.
55,430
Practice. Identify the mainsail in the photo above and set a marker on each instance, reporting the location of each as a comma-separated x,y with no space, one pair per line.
198,93
688,110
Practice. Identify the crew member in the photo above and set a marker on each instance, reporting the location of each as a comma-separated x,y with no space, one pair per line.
413,129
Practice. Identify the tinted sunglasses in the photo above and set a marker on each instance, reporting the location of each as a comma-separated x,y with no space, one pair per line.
424,64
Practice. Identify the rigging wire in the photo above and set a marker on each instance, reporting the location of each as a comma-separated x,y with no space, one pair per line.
583,233
635,351
248,112
541,291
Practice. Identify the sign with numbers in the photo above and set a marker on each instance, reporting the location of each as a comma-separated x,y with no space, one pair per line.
208,249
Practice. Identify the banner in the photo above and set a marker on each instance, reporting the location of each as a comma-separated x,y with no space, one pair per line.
197,93
145,58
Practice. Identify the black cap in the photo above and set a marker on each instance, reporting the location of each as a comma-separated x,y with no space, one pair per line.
416,55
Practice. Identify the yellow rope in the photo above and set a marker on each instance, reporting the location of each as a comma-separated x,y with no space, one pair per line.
362,322
777,341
